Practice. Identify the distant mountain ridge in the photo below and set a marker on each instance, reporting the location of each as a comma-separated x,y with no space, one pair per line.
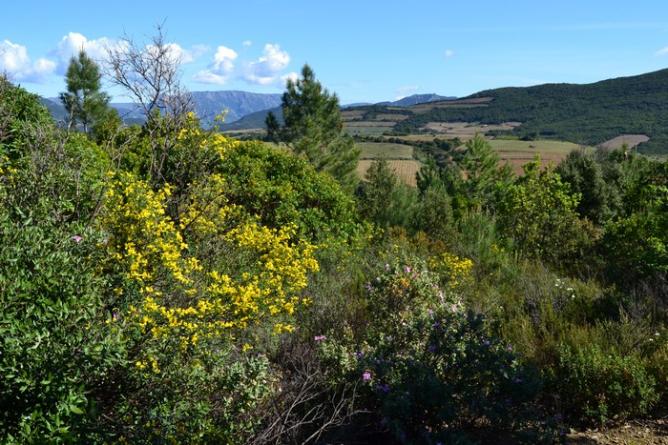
208,104
238,104
256,120
244,109
417,99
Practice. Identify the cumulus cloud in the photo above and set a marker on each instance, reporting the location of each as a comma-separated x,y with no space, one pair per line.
219,71
16,63
266,70
247,43
662,52
449,53
97,49
176,52
73,42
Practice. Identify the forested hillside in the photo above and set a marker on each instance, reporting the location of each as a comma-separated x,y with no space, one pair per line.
586,114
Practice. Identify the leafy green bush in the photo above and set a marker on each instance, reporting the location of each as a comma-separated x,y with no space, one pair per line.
58,350
596,385
280,188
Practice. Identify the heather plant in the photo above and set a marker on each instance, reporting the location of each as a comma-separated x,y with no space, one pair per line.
430,370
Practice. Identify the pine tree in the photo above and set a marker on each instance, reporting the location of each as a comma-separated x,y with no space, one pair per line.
83,101
314,128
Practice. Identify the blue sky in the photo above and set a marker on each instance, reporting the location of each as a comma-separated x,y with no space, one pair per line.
363,50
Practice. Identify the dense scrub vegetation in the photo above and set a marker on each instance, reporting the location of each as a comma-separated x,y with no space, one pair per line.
230,293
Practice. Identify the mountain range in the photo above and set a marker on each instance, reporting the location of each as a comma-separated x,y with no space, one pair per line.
208,104
239,105
587,114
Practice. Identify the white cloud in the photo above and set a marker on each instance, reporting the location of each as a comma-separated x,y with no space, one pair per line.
97,49
15,62
449,53
290,76
247,43
266,69
220,69
405,91
662,52
176,52
70,45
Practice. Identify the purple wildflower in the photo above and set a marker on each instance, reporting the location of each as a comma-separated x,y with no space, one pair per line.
366,376
320,337
384,388
76,238
407,269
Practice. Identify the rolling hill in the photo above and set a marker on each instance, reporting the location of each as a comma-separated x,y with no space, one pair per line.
585,114
635,108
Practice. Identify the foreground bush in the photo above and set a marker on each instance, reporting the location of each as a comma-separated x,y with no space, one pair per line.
429,370
596,385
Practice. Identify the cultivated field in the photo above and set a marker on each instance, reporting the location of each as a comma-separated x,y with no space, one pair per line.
405,169
349,115
631,140
517,153
368,128
375,150
355,124
391,117
463,103
467,130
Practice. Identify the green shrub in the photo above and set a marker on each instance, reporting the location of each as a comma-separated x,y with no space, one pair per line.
58,352
280,188
429,369
596,385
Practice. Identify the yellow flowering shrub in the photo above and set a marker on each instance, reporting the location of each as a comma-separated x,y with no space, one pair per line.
186,293
456,271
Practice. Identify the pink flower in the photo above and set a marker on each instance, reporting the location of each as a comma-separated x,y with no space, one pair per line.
76,238
320,337
407,269
366,376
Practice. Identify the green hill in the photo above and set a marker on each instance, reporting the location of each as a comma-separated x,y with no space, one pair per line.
586,114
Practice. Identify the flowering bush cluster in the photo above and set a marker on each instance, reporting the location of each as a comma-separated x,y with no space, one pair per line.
430,369
184,292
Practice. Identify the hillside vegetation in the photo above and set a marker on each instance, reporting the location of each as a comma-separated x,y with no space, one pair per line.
585,114
164,283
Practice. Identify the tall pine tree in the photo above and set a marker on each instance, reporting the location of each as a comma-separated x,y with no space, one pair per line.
83,101
314,128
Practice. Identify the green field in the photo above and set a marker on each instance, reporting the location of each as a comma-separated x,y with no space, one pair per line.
375,150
